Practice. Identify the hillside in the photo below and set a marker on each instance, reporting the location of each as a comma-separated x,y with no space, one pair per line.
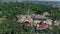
9,22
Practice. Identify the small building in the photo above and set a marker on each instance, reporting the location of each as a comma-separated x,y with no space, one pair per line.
41,26
39,18
25,19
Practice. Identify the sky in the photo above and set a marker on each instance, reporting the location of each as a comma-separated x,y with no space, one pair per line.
46,0
29,0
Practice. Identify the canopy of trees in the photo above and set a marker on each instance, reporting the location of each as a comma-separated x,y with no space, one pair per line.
11,9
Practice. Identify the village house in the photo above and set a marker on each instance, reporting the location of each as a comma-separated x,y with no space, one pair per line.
37,18
25,18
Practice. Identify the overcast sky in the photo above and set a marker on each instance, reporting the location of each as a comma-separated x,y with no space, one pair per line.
42,0
46,0
29,0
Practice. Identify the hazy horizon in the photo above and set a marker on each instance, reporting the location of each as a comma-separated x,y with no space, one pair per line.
28,0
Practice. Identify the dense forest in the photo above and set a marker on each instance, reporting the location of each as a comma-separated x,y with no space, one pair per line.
14,8
11,9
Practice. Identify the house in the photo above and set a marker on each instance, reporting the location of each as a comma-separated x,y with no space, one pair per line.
41,26
25,19
37,18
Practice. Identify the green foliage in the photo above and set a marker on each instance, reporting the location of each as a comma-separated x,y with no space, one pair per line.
10,27
11,9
